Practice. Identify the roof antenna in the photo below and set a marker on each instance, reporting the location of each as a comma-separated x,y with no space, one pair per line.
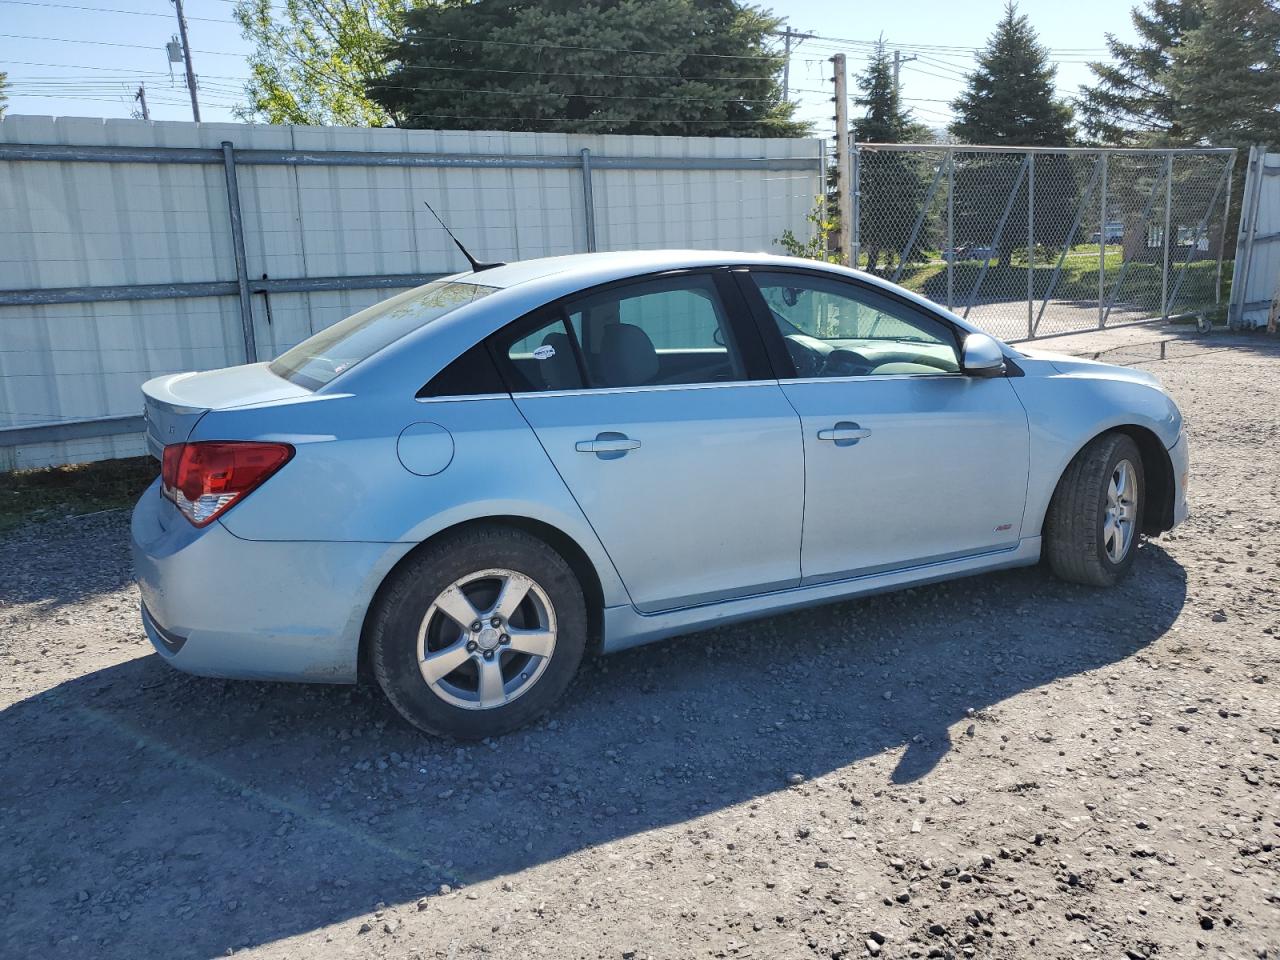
476,265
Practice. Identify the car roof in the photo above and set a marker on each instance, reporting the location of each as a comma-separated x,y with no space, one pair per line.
554,277
578,270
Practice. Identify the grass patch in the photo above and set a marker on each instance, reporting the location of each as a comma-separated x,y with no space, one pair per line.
1077,280
28,496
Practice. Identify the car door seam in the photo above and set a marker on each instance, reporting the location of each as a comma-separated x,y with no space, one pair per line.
1026,493
572,496
804,477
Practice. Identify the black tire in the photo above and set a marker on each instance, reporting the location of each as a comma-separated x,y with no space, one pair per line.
1074,543
405,599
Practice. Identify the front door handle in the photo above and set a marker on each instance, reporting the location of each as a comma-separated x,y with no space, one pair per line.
607,445
844,434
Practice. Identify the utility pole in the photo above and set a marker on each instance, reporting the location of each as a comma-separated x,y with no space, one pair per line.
186,58
844,198
141,97
787,36
898,61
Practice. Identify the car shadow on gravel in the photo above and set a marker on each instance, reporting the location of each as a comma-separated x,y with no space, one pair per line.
146,813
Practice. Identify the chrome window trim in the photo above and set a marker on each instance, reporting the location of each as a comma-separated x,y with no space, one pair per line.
643,388
878,377
464,396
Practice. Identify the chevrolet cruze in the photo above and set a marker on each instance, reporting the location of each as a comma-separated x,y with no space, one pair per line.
463,489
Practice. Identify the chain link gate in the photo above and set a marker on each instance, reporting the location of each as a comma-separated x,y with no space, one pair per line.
1035,242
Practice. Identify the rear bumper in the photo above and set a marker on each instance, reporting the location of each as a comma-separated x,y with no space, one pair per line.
1180,458
219,606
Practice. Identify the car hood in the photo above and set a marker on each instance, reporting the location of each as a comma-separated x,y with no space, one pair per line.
1068,365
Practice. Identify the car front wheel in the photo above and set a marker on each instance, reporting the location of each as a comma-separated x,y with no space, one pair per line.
1095,518
479,634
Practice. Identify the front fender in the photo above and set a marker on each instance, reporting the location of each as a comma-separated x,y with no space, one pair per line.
1069,405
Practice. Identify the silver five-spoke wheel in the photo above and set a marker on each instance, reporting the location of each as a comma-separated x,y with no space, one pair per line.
1120,512
486,639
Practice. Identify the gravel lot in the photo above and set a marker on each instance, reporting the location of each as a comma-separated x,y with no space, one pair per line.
1005,766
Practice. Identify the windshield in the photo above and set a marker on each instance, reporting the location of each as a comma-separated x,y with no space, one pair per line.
318,359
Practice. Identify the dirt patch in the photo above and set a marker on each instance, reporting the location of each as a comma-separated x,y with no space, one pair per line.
31,496
1005,766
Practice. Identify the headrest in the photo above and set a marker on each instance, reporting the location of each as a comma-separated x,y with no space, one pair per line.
627,356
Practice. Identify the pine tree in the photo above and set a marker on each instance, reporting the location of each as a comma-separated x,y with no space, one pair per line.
1010,99
1131,103
1010,102
1225,77
668,67
884,120
894,185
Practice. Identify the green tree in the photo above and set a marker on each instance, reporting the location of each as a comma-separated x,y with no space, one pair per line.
1009,99
1204,72
1131,103
4,100
674,67
1225,76
313,60
893,185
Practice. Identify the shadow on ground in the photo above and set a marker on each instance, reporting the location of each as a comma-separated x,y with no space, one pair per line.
144,813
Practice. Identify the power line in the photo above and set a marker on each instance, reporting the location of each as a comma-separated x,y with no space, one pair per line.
131,13
109,43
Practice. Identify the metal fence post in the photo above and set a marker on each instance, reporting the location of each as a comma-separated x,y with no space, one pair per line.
1168,242
855,199
588,201
1222,234
822,197
951,227
237,245
1248,227
1031,244
1102,246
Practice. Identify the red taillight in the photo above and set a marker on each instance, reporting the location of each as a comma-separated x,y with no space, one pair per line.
207,478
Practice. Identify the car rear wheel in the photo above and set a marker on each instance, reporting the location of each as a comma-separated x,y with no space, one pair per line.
479,634
1095,518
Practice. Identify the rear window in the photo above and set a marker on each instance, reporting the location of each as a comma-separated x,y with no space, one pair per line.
318,359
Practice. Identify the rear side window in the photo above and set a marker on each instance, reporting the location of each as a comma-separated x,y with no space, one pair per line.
336,349
542,355
662,332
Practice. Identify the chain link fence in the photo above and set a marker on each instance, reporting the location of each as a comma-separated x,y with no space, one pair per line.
1033,242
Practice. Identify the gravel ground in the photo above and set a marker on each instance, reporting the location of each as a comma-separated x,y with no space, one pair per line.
1005,766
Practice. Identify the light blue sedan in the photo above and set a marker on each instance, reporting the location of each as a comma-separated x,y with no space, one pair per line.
465,488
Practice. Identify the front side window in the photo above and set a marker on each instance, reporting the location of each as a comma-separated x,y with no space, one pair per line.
318,359
833,328
667,331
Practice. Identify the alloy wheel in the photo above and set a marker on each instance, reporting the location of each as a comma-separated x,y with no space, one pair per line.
486,639
1121,511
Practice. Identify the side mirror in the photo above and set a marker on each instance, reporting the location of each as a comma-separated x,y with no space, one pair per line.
982,356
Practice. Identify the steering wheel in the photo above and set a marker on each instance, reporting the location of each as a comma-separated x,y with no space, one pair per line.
807,361
843,362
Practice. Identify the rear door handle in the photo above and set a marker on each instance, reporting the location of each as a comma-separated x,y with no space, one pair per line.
608,445
844,434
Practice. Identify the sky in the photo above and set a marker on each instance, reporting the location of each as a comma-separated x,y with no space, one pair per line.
87,57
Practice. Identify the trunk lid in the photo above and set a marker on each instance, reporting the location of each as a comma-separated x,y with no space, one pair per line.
175,403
